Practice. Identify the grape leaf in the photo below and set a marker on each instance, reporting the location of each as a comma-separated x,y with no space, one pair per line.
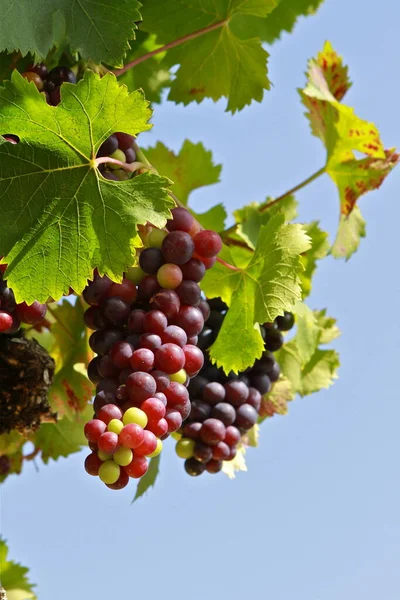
11,445
250,218
319,249
214,218
14,576
256,293
221,62
149,75
190,169
275,402
343,133
229,467
85,25
302,361
148,480
64,437
60,217
351,230
282,18
68,345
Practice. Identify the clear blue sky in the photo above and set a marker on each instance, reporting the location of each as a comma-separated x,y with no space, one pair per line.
317,515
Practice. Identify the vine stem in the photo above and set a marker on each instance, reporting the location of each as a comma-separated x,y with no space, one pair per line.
294,189
132,167
61,323
177,42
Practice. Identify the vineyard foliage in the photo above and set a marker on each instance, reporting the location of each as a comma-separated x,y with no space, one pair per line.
61,219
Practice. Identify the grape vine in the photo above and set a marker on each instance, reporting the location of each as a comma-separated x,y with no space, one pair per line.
125,316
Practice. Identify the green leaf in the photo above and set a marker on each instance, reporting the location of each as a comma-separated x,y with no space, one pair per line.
302,362
343,134
256,293
85,26
329,330
229,467
250,219
214,218
64,437
67,343
60,217
13,576
150,74
319,249
275,402
149,479
351,230
320,371
282,18
190,169
221,62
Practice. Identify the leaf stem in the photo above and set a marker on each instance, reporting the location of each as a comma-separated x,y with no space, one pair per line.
60,322
173,44
132,167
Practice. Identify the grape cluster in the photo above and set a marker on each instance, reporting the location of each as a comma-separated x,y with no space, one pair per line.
225,407
49,82
13,314
145,338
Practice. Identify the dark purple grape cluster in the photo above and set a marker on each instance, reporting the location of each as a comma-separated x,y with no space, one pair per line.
225,407
50,82
13,314
119,146
145,336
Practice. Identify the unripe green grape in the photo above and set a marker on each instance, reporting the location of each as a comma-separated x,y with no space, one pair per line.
179,376
135,415
157,450
155,237
135,274
103,455
122,174
109,472
123,456
115,425
118,155
185,448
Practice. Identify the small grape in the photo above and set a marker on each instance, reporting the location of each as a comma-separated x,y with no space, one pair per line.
193,467
131,436
109,472
184,448
207,243
169,276
135,415
157,450
137,468
123,456
92,464
212,431
115,425
177,247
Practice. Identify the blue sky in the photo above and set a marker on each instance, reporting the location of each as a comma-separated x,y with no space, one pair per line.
316,516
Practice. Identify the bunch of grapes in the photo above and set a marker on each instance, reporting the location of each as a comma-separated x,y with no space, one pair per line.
145,338
225,407
13,314
49,82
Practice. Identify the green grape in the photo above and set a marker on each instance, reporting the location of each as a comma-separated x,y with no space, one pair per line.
185,448
122,174
155,238
115,425
135,415
157,450
135,274
109,472
103,455
123,456
118,155
179,376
